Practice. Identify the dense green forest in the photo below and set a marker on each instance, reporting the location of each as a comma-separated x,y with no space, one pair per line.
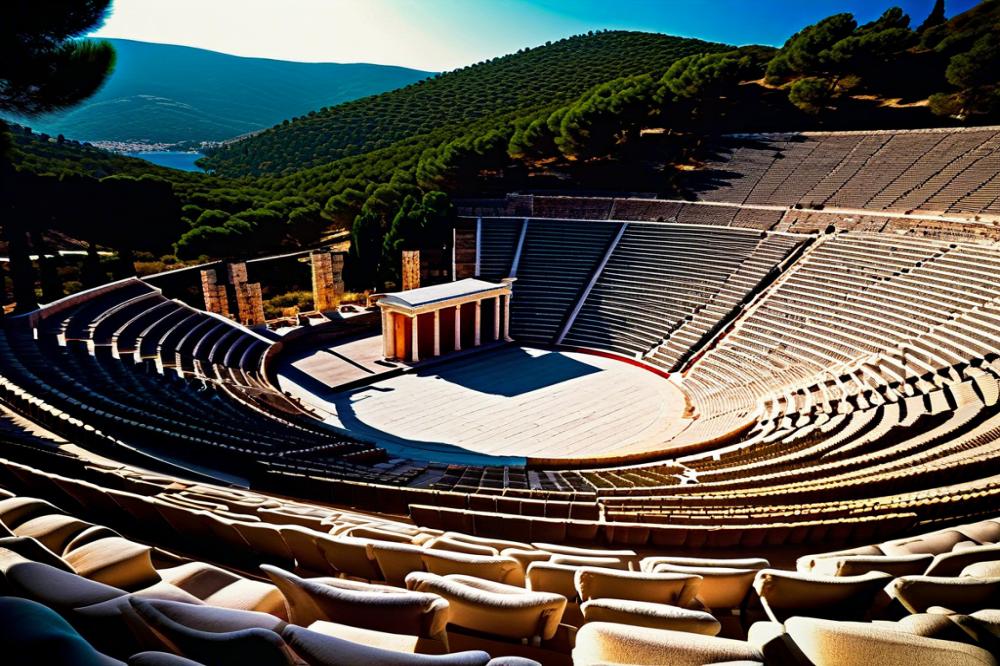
555,72
951,63
160,93
554,115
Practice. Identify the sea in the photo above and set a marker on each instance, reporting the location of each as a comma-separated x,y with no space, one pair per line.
185,161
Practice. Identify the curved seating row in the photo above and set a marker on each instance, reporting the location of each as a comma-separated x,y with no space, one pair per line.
157,376
865,375
454,595
940,171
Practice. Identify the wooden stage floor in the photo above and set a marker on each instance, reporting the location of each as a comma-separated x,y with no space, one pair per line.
499,405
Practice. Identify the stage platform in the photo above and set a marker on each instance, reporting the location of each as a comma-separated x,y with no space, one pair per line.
498,405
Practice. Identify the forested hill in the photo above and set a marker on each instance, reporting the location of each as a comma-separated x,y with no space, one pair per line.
168,94
567,115
525,80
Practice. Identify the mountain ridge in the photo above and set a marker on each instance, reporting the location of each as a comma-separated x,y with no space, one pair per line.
170,94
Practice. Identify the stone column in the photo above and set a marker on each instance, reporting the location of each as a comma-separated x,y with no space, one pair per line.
388,335
216,299
506,318
496,318
249,303
327,280
476,335
238,273
415,338
437,332
458,328
411,269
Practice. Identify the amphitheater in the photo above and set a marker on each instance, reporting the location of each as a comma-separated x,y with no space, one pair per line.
759,424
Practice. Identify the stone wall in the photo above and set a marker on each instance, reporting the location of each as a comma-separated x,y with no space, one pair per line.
465,252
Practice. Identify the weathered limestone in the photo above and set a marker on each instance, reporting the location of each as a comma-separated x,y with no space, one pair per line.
216,299
327,280
411,269
249,303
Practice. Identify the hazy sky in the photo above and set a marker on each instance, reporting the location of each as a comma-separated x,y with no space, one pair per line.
444,34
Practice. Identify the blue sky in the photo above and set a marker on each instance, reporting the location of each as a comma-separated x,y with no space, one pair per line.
444,34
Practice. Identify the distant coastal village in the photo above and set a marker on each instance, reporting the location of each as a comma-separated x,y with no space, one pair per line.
132,147
183,155
143,147
123,147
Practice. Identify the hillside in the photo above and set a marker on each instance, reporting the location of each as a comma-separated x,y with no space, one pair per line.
39,153
524,80
522,123
169,94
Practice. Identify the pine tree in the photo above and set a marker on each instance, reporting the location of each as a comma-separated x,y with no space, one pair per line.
44,66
